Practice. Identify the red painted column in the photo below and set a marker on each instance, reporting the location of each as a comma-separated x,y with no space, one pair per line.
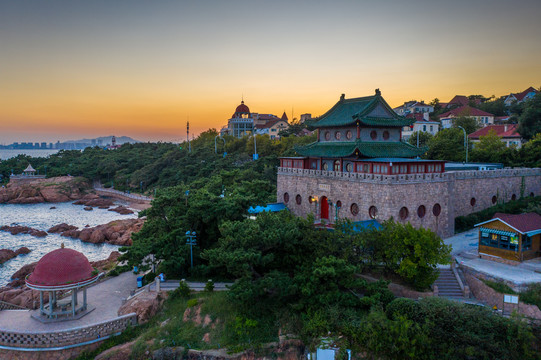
358,131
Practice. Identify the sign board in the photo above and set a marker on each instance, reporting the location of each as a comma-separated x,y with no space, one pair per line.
510,299
324,187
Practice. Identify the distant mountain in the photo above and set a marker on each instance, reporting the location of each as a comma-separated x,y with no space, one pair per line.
104,140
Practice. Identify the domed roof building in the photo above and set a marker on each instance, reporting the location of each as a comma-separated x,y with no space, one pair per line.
67,270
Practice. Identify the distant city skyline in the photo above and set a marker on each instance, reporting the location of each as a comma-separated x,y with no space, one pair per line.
141,69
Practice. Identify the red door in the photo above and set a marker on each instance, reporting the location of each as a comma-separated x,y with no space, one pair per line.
324,208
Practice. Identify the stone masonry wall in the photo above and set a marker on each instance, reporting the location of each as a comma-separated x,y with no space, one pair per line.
389,193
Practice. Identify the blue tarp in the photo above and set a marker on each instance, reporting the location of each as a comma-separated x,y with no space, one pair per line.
270,207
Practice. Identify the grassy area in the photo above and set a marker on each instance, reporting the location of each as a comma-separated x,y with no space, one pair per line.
532,296
499,287
212,315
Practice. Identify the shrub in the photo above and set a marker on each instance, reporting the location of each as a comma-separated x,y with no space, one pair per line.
183,291
532,295
404,307
209,286
499,287
192,303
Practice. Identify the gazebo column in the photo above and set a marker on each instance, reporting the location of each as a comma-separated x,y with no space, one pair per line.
73,302
51,303
75,291
84,298
54,298
41,302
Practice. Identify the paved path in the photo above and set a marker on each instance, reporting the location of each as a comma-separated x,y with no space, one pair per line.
106,297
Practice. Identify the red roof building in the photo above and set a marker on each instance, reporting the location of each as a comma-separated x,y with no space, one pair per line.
483,118
458,100
521,96
508,133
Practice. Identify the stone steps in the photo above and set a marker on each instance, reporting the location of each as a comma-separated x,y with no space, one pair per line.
448,284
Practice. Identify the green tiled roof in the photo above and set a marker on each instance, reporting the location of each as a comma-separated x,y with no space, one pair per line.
370,149
349,111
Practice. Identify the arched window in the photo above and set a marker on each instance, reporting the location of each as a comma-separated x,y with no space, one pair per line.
336,165
354,209
349,167
298,199
349,135
421,211
436,210
373,135
327,135
325,166
373,212
472,201
403,213
286,198
337,135
385,135
513,197
494,199
339,204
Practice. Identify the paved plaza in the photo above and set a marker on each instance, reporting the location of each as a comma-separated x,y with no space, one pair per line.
106,297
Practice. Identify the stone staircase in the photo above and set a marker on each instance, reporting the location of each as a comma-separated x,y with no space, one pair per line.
447,284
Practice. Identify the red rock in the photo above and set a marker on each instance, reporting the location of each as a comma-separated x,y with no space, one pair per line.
22,250
30,191
88,208
6,254
24,271
145,305
122,210
60,228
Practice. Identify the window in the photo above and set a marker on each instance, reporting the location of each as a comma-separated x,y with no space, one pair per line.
438,167
473,201
385,135
431,128
286,198
337,135
313,164
424,127
327,135
348,167
413,169
421,211
403,169
494,199
366,168
526,243
337,165
339,204
485,239
354,208
298,199
325,166
394,169
384,169
403,213
436,210
421,168
349,135
513,197
373,212
373,135
376,169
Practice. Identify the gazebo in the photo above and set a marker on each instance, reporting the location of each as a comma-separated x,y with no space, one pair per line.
29,171
62,270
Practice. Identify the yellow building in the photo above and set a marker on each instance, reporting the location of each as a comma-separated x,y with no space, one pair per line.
511,237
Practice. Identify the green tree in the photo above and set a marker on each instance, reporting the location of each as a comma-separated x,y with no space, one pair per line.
490,148
424,138
448,144
468,123
529,123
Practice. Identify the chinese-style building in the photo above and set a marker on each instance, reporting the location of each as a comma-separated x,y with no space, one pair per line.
360,168
511,237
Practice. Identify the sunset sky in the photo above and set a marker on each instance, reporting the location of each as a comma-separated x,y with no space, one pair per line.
74,69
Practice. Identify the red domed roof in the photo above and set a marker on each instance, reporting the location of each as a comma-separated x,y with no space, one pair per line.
242,108
61,267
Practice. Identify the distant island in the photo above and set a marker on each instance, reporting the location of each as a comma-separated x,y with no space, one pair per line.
70,144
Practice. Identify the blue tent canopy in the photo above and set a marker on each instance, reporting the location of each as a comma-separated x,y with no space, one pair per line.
275,207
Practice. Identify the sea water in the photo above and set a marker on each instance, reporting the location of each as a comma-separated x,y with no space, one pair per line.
42,217
10,153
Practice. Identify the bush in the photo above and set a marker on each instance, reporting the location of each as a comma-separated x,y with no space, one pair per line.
404,307
499,287
117,270
209,286
532,296
183,291
192,303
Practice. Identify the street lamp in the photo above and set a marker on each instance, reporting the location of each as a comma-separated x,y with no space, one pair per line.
191,240
465,142
255,147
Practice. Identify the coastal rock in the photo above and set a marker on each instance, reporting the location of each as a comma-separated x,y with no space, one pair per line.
31,191
18,229
52,208
93,200
116,232
145,305
119,352
88,208
17,279
7,254
60,228
107,264
122,210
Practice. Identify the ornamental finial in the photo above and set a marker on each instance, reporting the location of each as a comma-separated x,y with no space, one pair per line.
378,92
62,245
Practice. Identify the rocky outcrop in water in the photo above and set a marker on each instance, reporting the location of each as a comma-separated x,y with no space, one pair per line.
7,254
93,200
31,191
18,229
60,228
122,210
116,232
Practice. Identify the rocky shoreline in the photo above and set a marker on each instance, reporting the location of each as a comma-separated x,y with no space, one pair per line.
117,232
33,191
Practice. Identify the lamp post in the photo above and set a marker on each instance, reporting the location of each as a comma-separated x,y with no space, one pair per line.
465,142
191,240
255,147
187,193
141,187
336,207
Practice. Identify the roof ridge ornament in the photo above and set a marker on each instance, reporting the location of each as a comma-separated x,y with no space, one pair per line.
342,97
378,92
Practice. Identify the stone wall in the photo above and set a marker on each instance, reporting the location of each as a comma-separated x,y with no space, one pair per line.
452,191
65,338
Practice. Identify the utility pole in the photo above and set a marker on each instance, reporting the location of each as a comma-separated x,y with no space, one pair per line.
188,135
465,142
